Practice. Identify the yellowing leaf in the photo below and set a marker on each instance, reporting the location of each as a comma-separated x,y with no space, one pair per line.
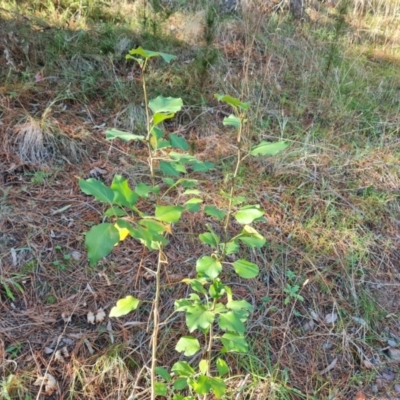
123,233
124,306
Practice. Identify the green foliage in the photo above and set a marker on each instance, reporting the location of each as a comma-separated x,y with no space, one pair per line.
210,307
124,306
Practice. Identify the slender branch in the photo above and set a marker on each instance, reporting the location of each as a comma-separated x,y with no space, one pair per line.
148,137
233,183
156,323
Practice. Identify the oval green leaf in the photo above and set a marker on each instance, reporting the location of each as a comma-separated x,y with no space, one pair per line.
268,149
247,215
124,306
209,267
234,342
188,345
169,214
245,269
167,105
97,189
112,134
100,240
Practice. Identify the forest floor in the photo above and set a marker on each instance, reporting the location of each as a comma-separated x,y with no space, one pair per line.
326,319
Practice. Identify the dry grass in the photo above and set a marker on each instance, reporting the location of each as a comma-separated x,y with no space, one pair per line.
331,200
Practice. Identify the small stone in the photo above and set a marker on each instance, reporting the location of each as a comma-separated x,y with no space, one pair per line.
391,343
331,318
374,388
394,354
327,346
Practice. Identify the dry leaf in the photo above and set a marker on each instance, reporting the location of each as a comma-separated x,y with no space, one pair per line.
65,352
134,323
359,321
59,357
368,364
329,367
330,318
89,346
173,278
49,383
66,318
309,326
314,315
100,315
76,255
110,332
360,396
388,376
90,318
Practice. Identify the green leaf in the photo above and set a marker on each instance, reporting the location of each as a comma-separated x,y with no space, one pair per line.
180,384
198,317
192,191
201,385
234,342
189,183
193,205
246,215
209,267
144,190
145,236
169,181
123,194
200,166
197,286
238,305
203,366
100,240
169,214
157,141
124,306
160,388
214,212
153,226
114,212
112,134
210,239
170,168
160,117
232,120
251,238
245,269
231,247
222,367
165,104
188,345
163,373
232,101
178,142
230,321
182,368
148,54
268,149
217,290
97,189
184,158
218,386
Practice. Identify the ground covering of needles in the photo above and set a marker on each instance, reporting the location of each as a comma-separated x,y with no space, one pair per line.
326,319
